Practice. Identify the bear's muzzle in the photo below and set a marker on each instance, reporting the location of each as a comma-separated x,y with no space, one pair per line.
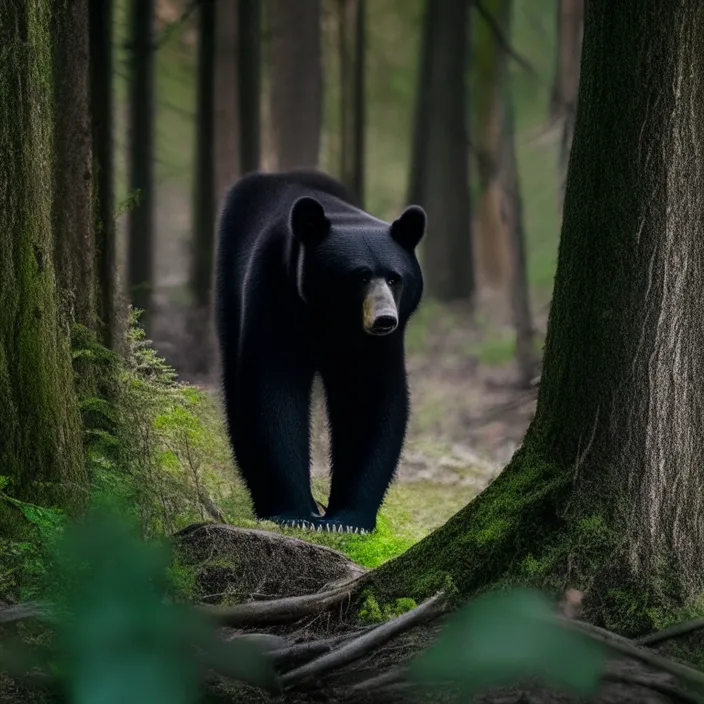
380,314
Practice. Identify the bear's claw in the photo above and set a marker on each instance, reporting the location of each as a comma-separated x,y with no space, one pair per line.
323,527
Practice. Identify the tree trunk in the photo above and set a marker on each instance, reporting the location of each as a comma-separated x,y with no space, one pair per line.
227,159
72,213
140,258
493,247
518,283
605,493
296,74
40,429
351,18
439,178
563,99
204,193
101,103
249,83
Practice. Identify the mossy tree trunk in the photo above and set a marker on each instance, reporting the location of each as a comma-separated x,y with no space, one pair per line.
439,179
40,429
72,214
605,493
296,76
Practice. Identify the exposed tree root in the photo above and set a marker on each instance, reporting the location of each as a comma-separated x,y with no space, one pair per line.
281,611
366,643
676,631
627,647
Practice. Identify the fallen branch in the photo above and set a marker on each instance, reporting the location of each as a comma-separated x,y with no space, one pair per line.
312,648
669,690
680,629
502,39
364,644
629,648
280,611
394,677
21,612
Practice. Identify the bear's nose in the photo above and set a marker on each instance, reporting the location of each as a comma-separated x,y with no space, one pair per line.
384,324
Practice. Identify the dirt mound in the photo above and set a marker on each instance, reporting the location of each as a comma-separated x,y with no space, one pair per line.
233,565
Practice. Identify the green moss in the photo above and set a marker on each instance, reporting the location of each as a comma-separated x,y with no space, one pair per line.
371,612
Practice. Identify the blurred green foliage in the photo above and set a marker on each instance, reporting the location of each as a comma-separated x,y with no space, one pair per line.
118,635
502,638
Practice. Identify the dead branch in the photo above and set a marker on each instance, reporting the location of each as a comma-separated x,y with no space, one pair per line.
364,644
312,648
502,39
280,611
393,677
21,612
627,647
652,683
679,629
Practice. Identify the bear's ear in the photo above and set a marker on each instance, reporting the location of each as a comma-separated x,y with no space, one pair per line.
308,221
408,230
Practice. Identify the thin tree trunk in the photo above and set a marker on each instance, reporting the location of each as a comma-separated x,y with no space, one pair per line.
296,74
40,429
72,188
204,193
493,249
140,258
563,105
422,108
518,285
101,73
249,83
441,145
227,134
351,19
605,494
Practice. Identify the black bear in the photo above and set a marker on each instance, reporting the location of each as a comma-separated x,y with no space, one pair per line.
309,283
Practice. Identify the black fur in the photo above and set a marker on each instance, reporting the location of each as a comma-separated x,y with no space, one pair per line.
276,331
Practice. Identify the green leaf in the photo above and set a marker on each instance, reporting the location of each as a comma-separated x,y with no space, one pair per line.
504,637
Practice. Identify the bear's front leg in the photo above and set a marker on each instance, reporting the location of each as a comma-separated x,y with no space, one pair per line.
268,413
368,408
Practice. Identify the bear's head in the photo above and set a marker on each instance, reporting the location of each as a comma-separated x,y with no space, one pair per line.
357,273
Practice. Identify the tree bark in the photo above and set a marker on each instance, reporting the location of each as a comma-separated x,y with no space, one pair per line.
140,257
101,103
40,429
72,214
351,19
296,74
439,178
563,102
604,494
249,83
204,193
227,159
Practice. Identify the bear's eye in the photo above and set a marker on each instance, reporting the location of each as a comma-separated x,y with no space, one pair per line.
365,277
392,281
